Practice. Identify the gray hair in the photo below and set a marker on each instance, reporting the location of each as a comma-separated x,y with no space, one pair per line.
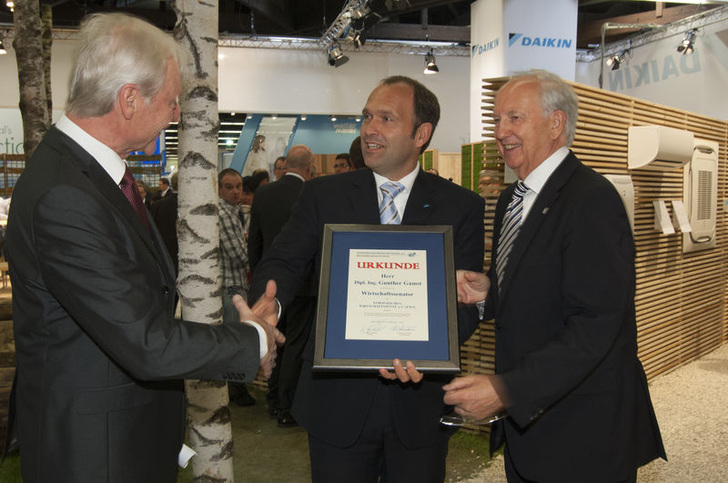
116,49
556,95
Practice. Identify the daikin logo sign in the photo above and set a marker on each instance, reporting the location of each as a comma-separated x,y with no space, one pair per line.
480,49
520,40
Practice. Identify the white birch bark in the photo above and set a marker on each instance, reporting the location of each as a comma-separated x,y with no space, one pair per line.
208,416
31,73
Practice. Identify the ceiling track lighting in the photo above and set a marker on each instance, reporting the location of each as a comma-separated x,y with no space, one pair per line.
430,65
687,45
615,61
336,56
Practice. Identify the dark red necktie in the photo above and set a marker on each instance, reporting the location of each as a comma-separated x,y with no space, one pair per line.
130,190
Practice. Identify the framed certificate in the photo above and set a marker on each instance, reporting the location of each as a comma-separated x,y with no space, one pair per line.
387,291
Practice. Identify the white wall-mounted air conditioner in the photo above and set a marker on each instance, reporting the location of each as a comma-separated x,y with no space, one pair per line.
658,147
700,196
623,184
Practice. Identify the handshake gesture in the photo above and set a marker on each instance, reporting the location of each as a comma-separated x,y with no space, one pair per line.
265,314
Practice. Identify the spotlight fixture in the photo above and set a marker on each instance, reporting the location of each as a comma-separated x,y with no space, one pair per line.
336,56
332,118
303,117
617,59
687,45
430,65
11,5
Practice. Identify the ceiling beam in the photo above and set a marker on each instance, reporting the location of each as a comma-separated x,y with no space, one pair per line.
589,33
437,33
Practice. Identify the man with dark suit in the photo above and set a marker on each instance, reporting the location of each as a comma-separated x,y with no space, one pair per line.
271,210
100,356
164,190
561,289
366,426
164,213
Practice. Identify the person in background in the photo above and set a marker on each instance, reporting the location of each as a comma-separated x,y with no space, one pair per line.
279,167
259,178
355,154
257,157
270,211
146,195
367,426
100,357
164,190
233,260
164,213
342,164
561,288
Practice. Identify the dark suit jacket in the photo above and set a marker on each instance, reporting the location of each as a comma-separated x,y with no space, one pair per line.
566,345
164,214
333,407
100,356
271,210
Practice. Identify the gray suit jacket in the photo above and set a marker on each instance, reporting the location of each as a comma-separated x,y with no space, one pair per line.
100,357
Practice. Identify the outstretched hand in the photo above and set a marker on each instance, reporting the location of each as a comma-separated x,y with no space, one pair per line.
472,286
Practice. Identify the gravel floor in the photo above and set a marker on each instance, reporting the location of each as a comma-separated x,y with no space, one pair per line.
691,406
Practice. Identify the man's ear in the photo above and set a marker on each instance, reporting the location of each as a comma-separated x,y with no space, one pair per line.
423,134
558,124
128,99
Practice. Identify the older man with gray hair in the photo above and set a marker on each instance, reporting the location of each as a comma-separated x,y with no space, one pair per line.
101,358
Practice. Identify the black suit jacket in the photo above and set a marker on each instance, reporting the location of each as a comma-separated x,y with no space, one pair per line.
164,214
333,407
271,210
100,356
566,338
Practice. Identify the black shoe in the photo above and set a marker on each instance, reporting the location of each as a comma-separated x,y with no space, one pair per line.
285,420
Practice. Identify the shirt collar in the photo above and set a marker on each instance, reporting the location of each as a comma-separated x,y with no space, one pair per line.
104,155
406,181
538,177
295,174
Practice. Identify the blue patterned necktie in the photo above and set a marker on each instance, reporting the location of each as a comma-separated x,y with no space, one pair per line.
388,214
509,231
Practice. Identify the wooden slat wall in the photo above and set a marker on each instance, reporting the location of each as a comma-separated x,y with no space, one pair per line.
681,298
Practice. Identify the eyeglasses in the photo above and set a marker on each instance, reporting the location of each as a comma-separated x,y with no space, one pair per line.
279,168
341,165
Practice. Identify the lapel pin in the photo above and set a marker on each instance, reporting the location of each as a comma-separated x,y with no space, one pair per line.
427,205
545,210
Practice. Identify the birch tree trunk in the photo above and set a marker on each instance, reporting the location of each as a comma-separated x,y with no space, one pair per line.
31,73
46,18
208,415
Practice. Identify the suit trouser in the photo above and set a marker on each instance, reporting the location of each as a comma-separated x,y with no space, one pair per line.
377,452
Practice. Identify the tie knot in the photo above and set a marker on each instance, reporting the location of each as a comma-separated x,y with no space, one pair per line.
521,189
128,178
392,188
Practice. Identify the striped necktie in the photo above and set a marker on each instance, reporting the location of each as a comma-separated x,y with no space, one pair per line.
388,214
509,230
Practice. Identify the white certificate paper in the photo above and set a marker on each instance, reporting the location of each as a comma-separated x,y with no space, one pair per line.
387,292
